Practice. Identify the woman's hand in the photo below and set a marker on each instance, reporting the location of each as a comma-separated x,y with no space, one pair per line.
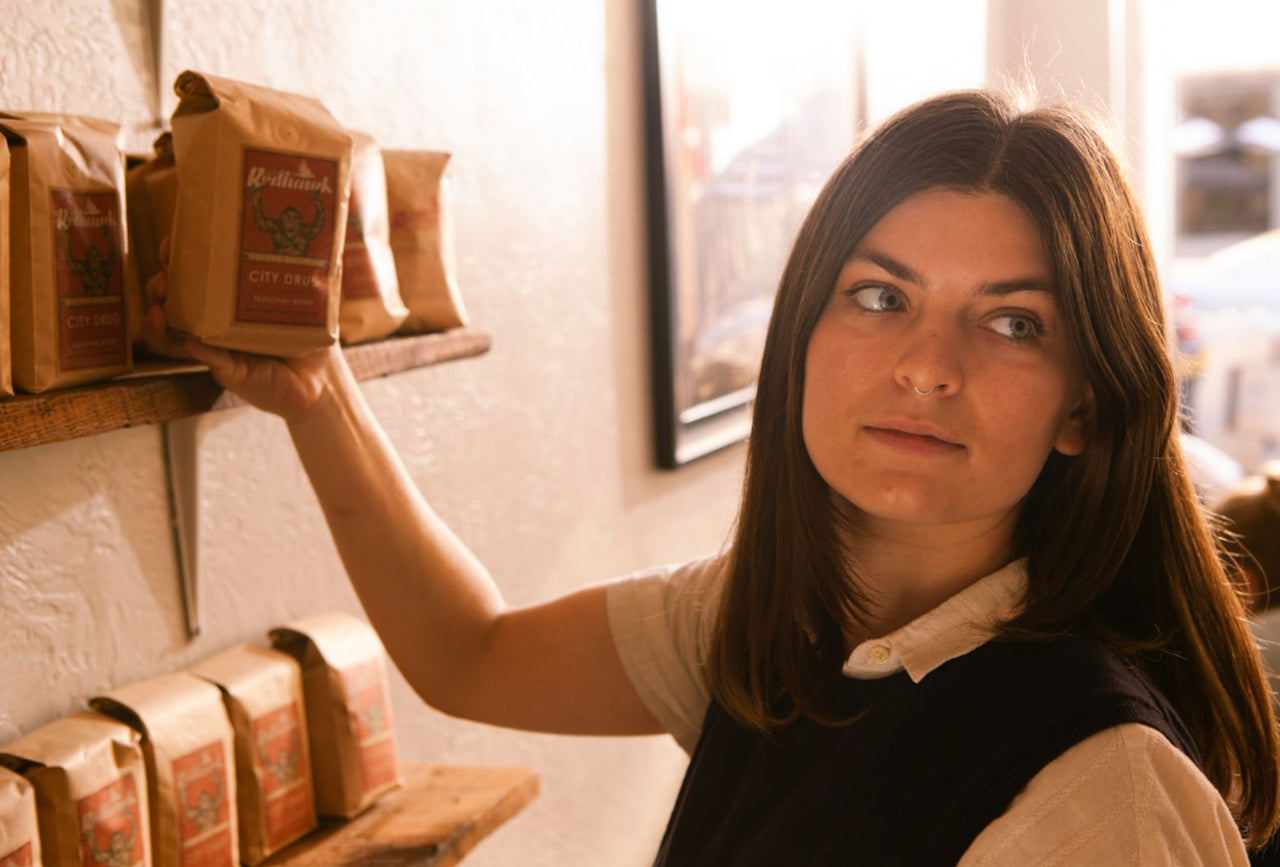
287,387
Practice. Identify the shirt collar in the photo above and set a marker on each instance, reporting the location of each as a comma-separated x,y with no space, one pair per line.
961,624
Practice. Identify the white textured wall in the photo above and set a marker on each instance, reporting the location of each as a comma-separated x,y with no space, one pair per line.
537,453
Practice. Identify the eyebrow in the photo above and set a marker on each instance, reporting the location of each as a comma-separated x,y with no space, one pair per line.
905,272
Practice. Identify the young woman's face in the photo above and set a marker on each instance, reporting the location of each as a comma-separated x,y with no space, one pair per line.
951,295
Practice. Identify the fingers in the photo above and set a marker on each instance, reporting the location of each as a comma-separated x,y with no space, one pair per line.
155,325
157,336
157,288
217,358
227,370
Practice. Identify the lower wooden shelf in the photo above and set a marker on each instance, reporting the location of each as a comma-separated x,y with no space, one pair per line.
160,391
438,817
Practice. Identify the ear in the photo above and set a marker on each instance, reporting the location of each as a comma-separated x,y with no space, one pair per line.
1074,432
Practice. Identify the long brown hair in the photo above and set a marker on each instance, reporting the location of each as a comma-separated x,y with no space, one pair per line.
1117,543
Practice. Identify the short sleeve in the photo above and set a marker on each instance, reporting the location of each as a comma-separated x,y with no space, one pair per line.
662,621
1124,796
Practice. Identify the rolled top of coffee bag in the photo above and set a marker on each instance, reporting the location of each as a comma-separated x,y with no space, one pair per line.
340,639
260,222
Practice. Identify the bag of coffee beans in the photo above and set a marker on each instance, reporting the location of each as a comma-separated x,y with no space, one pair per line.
371,305
19,834
91,791
344,677
68,252
422,239
6,374
262,689
256,256
151,189
187,744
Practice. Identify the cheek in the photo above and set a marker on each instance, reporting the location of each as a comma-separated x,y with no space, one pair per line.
827,377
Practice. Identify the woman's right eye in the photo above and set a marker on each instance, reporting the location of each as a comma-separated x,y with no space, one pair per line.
877,299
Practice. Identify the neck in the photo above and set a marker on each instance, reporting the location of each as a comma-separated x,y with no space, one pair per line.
907,570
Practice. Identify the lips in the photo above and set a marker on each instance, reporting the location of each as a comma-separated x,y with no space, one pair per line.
913,436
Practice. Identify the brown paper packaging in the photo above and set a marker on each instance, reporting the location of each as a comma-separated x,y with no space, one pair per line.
256,256
91,791
6,371
371,305
187,744
151,189
422,239
19,834
69,246
262,689
353,748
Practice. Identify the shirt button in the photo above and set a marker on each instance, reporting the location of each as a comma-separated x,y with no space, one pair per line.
879,653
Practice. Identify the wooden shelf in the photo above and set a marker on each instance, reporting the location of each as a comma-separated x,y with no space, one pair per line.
160,391
438,817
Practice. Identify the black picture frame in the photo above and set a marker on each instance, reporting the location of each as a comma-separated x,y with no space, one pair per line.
746,113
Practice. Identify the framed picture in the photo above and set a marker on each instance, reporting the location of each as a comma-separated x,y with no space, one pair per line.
749,106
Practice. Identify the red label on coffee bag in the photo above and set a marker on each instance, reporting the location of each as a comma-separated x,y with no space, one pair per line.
111,826
89,274
370,719
286,238
283,774
204,824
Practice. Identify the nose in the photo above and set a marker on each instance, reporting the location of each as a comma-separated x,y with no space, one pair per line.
930,361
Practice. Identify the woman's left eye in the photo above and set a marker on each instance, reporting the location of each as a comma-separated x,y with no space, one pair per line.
1017,326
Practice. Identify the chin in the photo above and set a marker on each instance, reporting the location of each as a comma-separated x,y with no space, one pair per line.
912,508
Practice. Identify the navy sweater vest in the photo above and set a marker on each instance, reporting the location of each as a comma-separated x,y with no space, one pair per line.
919,774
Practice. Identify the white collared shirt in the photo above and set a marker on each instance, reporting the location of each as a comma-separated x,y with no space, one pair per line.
1124,796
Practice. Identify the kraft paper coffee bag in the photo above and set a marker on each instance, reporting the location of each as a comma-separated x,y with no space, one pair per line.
353,747
91,791
68,252
6,374
187,743
256,257
19,834
262,689
151,191
371,305
422,239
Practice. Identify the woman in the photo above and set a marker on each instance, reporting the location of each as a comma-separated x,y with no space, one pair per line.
971,612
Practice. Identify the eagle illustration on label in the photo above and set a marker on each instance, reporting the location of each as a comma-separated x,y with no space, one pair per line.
111,830
88,272
23,856
283,774
204,814
370,721
286,238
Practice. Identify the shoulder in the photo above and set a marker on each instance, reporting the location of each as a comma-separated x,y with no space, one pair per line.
662,621
1125,795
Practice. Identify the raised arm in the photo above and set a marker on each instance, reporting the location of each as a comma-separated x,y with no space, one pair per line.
551,667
